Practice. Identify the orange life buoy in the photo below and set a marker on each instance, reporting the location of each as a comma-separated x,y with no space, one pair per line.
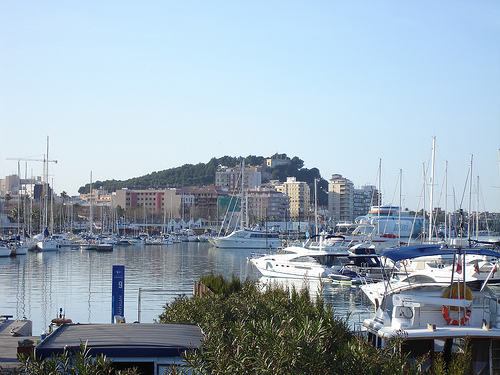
454,322
405,262
456,291
368,251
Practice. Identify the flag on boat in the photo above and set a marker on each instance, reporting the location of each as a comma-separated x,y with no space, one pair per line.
476,268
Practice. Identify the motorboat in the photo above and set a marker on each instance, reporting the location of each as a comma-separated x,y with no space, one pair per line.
365,232
437,316
330,242
295,262
62,239
433,263
391,220
103,246
247,239
361,266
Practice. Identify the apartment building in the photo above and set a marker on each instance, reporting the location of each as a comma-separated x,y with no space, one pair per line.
158,202
300,197
14,185
267,204
364,197
205,200
341,198
230,179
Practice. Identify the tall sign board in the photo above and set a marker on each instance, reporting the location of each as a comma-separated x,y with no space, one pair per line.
118,292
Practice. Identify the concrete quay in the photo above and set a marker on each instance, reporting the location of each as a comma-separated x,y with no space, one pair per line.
11,332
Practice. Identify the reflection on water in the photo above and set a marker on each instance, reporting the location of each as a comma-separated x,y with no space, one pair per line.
36,285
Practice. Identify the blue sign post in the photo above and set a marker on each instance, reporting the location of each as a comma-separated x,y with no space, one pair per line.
118,292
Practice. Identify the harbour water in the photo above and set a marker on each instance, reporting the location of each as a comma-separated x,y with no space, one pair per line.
38,284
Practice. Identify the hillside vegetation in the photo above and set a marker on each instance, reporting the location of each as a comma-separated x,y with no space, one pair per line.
203,174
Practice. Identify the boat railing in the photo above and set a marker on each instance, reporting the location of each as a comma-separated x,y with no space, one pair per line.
490,310
357,318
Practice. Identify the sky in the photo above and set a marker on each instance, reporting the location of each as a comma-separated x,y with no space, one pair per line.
125,88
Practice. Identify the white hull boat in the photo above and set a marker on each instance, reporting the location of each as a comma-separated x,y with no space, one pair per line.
5,251
435,317
247,239
48,245
295,262
430,264
19,250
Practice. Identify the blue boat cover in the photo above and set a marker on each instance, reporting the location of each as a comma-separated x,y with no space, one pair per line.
416,251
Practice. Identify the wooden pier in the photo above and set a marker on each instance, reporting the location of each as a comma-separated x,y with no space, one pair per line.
11,333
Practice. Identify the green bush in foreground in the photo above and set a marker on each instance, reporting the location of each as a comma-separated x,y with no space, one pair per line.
277,331
70,363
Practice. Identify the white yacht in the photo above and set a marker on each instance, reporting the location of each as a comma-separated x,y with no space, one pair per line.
247,239
62,239
430,264
296,262
391,220
435,316
367,233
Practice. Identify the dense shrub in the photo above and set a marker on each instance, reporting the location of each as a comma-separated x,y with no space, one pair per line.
78,362
276,331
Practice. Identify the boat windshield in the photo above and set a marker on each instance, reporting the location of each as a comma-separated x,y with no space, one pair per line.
304,259
364,229
419,279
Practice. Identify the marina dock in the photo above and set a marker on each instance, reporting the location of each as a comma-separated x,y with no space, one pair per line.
11,332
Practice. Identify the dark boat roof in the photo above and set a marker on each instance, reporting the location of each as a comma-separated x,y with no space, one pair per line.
416,251
124,339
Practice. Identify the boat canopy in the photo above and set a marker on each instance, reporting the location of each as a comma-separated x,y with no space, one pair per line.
416,251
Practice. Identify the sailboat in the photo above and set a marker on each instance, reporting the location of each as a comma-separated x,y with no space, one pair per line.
5,251
18,248
46,242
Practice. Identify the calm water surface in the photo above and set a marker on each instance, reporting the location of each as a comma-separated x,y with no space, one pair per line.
36,285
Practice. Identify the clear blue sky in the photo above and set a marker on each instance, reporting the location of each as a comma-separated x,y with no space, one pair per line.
125,88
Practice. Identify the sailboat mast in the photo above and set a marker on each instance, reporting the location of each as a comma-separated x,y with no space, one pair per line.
400,207
243,201
379,194
91,211
316,205
470,199
432,187
423,205
18,199
446,200
477,209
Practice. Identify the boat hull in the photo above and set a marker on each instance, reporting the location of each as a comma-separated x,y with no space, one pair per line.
50,245
247,239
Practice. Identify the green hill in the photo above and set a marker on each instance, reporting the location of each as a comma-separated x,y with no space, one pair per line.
203,174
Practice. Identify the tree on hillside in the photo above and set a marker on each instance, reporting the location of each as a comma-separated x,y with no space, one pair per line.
202,174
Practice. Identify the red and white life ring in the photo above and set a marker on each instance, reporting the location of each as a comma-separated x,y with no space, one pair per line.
455,291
